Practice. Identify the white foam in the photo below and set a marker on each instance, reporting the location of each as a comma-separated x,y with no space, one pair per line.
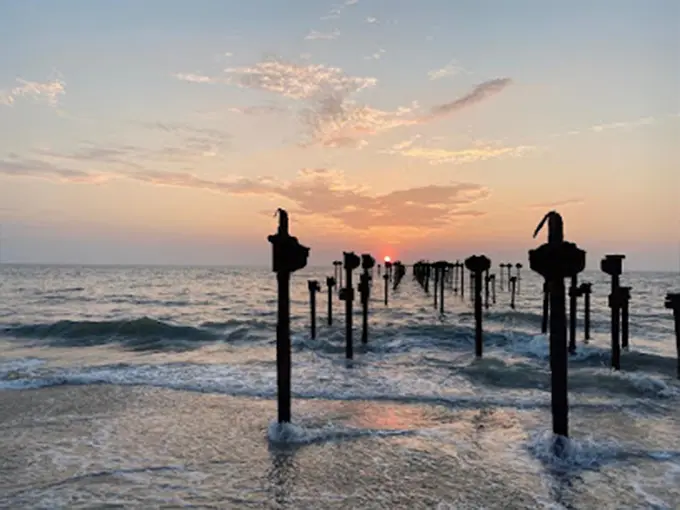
647,383
293,434
582,453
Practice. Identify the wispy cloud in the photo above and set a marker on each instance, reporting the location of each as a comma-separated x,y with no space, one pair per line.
328,36
48,92
335,12
619,125
16,167
371,20
375,56
192,143
331,118
336,122
320,193
196,78
477,95
257,110
646,121
325,193
559,203
335,118
450,69
297,81
438,156
182,127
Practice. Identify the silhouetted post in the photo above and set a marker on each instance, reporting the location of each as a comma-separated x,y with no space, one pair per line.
586,289
351,262
509,267
400,272
493,288
455,277
367,263
340,287
486,289
513,289
378,269
555,261
501,266
437,276
477,264
428,268
672,302
288,256
573,294
518,266
330,283
387,284
624,302
546,307
440,275
313,287
462,280
441,289
613,266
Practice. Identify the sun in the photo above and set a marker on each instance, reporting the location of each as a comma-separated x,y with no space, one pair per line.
387,258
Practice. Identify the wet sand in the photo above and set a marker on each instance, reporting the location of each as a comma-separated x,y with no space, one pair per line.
105,446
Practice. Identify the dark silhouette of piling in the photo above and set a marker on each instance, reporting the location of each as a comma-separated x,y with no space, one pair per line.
350,263
486,289
456,268
573,294
339,277
613,266
435,281
330,283
387,285
441,289
399,273
672,302
585,290
500,277
546,307
367,263
288,256
313,287
440,276
555,261
477,265
493,288
519,267
624,301
462,280
513,291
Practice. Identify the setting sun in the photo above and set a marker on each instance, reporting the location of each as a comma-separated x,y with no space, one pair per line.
387,259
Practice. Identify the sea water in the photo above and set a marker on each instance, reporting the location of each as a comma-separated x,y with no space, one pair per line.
155,387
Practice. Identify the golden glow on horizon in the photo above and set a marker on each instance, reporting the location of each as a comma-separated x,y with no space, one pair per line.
387,258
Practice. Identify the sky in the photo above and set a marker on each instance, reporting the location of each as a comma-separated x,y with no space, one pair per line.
169,132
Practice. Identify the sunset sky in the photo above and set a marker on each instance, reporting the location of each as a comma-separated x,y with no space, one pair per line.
167,131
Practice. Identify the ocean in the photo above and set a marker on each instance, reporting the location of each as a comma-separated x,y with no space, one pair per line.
155,387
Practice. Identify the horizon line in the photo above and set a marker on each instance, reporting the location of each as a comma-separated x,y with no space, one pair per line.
231,266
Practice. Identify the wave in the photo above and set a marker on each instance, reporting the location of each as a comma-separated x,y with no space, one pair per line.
140,334
316,378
